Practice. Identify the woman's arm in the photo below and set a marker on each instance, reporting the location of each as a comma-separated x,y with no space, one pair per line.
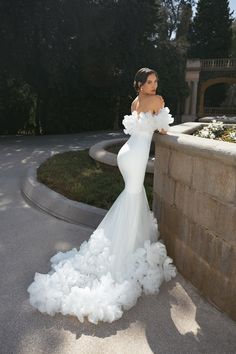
159,103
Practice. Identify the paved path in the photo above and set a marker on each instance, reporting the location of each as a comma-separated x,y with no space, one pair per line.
178,320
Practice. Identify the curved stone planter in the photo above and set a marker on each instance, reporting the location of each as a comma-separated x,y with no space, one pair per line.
99,153
59,206
195,204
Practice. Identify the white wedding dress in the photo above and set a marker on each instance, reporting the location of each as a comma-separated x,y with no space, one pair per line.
122,257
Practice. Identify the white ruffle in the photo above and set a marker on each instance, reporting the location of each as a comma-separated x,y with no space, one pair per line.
80,282
147,121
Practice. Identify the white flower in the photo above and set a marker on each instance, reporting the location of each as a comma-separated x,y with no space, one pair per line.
205,133
232,135
210,131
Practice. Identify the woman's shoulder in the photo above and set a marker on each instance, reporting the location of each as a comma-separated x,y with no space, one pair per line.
157,98
151,98
153,103
134,102
158,102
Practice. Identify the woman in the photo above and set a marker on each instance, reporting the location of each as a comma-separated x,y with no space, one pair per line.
145,84
122,257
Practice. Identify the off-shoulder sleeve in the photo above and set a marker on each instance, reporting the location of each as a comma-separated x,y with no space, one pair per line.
147,122
163,119
130,123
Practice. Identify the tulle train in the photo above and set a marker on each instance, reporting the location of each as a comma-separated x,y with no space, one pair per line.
109,272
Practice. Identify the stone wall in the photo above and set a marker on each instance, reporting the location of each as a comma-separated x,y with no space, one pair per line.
195,204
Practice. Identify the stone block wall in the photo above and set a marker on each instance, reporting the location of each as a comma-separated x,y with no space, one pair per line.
195,203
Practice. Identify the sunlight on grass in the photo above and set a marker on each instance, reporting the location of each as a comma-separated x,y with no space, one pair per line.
78,177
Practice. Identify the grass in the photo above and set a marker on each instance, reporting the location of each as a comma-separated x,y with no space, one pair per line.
116,147
78,177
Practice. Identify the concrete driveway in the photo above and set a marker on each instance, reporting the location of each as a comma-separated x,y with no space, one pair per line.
178,320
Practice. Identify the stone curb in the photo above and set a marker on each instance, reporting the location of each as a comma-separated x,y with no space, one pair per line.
59,206
99,153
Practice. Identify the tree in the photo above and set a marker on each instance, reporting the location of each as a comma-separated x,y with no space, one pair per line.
211,31
174,18
78,58
233,47
183,25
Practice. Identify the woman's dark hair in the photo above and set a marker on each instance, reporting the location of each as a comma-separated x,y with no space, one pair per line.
141,77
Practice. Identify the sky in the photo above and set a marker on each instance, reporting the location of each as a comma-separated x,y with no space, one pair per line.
232,5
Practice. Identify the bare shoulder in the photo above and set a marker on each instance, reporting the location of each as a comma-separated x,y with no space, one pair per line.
152,103
134,104
158,102
157,99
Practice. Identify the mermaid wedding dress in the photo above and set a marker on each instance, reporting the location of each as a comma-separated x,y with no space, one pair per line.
122,257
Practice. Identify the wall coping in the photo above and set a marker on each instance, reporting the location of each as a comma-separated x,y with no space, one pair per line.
178,138
224,119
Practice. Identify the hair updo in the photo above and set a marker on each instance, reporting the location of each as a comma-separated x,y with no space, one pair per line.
141,77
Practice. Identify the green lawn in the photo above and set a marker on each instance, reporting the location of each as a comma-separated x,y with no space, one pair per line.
116,147
78,177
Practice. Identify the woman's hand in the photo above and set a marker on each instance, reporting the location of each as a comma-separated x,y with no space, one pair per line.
162,131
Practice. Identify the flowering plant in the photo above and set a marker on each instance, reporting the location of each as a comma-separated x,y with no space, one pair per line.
216,130
232,136
211,130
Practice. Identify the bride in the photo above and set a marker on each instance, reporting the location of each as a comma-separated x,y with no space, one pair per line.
123,256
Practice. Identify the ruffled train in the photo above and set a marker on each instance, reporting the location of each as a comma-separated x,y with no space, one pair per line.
110,271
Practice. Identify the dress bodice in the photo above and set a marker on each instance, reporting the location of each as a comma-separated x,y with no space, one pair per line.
147,121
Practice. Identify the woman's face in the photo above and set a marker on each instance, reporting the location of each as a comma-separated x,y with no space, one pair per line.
150,86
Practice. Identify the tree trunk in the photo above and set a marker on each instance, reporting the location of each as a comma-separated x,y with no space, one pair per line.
39,117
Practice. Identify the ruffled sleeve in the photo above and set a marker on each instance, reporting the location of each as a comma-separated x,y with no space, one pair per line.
130,122
163,119
147,122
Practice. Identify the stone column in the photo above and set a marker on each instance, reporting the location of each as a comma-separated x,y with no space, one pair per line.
187,101
194,98
193,68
